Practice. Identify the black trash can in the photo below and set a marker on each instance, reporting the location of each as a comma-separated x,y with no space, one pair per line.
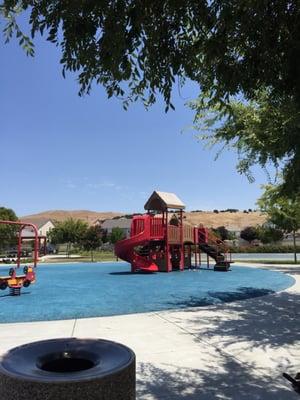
68,369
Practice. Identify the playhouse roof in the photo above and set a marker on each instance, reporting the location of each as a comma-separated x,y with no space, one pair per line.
159,201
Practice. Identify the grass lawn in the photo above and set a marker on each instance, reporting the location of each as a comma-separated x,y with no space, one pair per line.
85,256
276,262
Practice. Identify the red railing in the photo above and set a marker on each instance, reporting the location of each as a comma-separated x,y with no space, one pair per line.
156,228
137,226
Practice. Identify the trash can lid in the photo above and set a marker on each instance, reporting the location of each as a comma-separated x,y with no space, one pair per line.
66,360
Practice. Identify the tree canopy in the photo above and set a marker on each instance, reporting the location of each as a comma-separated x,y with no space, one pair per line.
283,211
263,131
249,234
139,49
7,232
92,239
70,231
116,235
269,234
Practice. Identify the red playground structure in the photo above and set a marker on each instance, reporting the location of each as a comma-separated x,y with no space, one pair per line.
13,281
160,241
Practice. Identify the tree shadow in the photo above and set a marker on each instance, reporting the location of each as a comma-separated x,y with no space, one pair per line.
214,298
7,295
122,273
266,321
232,381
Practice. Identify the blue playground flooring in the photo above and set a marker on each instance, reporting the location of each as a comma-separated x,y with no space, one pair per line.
65,291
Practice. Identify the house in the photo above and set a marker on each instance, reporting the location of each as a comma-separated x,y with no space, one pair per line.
44,225
122,223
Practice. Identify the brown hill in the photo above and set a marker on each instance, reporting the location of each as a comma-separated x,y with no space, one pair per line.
61,215
235,221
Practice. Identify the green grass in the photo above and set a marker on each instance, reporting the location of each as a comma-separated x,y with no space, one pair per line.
98,255
85,256
275,262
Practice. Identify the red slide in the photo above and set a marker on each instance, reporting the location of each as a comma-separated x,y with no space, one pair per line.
124,249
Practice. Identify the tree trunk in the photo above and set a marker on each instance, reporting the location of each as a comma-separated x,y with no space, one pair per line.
68,250
295,247
92,256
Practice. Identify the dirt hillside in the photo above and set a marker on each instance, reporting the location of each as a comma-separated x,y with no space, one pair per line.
61,215
234,221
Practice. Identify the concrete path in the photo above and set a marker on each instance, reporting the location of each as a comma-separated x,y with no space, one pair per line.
236,350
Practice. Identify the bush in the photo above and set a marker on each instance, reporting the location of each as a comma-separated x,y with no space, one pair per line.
249,234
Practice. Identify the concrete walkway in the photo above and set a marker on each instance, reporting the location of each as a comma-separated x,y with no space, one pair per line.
236,350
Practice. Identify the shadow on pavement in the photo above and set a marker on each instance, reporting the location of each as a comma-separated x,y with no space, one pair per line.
235,382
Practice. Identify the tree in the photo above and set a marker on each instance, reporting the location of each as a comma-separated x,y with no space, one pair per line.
264,130
7,232
92,240
249,234
138,49
116,235
282,211
222,232
225,47
269,234
70,231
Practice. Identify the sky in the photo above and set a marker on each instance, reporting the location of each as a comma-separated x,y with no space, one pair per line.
61,151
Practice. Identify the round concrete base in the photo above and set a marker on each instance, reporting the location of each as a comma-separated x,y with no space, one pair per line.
68,369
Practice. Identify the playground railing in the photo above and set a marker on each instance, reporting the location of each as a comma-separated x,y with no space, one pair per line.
137,226
156,228
188,233
173,234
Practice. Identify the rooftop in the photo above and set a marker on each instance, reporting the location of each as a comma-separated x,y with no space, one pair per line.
160,201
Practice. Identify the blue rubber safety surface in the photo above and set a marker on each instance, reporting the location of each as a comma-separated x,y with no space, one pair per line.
65,291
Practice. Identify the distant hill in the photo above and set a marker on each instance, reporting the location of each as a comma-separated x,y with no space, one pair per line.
61,215
234,221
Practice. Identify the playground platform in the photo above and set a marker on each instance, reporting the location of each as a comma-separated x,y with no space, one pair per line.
234,351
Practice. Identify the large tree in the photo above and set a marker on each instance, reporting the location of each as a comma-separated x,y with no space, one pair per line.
92,240
71,231
283,211
263,131
7,232
224,46
137,49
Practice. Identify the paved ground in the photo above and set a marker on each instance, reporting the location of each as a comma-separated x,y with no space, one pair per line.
232,351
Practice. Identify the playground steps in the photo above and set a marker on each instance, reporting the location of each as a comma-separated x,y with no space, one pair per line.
212,252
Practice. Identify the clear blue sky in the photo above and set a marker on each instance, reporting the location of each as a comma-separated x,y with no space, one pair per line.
60,151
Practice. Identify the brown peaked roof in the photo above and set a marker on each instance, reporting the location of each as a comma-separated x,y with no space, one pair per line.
159,201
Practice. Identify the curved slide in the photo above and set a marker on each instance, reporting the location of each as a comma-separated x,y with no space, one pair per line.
124,249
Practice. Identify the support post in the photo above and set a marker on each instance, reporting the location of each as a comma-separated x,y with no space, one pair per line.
19,247
181,265
168,259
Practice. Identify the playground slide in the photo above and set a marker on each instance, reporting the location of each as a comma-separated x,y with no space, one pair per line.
124,249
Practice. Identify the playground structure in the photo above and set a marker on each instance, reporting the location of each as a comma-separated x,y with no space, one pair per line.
161,241
13,281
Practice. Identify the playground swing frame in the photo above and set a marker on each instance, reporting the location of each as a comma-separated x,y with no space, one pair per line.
23,225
